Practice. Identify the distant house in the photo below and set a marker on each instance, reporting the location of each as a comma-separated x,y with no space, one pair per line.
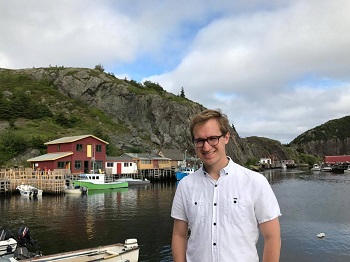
146,162
265,161
79,154
120,166
331,160
176,157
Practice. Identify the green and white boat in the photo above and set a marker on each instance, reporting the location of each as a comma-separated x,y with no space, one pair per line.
98,181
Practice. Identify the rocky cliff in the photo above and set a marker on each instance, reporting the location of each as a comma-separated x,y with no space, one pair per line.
150,119
330,138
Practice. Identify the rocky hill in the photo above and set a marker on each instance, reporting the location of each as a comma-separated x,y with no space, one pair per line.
331,138
129,115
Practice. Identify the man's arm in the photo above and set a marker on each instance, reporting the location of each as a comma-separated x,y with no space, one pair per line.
179,240
272,240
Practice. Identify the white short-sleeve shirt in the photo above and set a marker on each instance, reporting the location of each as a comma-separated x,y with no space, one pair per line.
223,215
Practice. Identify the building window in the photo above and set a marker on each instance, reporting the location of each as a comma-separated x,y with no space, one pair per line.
60,165
58,148
126,164
98,165
146,162
98,148
110,164
79,147
77,165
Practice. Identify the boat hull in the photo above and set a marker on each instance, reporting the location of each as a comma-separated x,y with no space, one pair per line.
180,175
110,253
134,182
96,186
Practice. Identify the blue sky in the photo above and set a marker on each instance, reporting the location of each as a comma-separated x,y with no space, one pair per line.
277,68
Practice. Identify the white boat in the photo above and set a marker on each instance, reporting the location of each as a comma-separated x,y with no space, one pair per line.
347,171
134,181
30,191
316,167
129,251
75,190
71,188
7,246
326,169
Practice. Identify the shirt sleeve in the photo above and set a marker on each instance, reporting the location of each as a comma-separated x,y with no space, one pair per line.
178,210
266,207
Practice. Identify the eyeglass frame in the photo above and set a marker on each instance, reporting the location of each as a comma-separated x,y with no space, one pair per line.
217,138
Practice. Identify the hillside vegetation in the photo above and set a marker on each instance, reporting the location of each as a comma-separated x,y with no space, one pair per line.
330,138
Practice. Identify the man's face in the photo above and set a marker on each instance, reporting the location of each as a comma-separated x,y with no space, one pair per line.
211,155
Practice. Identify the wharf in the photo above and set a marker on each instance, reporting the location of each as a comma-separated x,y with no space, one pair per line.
49,181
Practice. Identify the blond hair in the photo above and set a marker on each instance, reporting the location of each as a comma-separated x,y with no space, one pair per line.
208,114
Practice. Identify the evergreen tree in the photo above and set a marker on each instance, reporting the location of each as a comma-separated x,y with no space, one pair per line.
182,94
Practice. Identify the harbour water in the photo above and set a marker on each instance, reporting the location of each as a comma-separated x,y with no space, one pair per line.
311,203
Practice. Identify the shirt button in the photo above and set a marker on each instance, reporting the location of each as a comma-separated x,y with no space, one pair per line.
216,185
214,244
214,224
214,204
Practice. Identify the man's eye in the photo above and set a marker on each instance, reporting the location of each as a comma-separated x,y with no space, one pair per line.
211,139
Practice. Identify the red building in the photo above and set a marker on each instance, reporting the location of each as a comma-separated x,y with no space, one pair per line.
336,159
79,154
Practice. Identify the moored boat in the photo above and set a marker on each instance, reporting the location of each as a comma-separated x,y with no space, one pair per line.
97,181
316,167
129,251
30,191
182,172
326,169
75,190
134,181
347,171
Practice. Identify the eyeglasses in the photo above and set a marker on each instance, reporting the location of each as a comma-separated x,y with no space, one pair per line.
212,140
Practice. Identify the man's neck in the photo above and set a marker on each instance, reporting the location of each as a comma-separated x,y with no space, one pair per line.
214,171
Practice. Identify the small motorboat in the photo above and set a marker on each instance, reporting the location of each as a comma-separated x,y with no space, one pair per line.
129,251
14,249
347,171
134,181
316,167
29,191
326,169
71,188
182,172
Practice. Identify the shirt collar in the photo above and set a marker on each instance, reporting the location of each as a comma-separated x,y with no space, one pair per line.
224,171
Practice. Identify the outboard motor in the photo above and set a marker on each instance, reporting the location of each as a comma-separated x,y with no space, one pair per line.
24,238
35,192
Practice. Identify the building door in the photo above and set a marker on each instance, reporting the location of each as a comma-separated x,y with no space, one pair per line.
155,164
86,167
119,168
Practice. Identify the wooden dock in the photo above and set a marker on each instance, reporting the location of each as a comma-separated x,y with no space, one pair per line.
49,181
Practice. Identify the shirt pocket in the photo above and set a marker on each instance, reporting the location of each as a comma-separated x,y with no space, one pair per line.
197,210
235,210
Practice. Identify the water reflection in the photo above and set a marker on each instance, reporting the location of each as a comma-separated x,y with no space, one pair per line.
310,203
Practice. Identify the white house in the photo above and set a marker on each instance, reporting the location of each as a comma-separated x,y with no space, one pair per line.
120,166
265,161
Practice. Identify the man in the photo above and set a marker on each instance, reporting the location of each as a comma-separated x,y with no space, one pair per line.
222,204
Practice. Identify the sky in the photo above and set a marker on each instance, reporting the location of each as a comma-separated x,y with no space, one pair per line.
276,68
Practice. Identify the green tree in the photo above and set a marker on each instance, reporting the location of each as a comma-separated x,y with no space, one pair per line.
99,67
182,94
